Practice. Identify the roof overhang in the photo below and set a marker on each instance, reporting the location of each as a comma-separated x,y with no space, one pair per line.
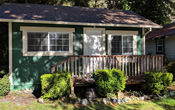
78,23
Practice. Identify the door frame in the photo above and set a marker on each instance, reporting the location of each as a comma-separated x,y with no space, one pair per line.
94,29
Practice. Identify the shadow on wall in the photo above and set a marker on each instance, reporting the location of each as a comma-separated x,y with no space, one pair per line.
28,69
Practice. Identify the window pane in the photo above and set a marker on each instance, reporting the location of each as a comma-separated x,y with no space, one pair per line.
160,42
36,41
59,36
59,48
52,48
65,48
65,42
116,46
160,48
65,36
127,45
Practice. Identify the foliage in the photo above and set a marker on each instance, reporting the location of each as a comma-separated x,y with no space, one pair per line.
4,85
170,67
157,82
108,81
55,85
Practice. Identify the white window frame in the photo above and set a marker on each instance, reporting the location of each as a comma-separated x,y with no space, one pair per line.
122,42
122,33
159,45
26,29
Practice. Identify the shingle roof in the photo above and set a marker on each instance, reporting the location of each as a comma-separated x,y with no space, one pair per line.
167,30
16,11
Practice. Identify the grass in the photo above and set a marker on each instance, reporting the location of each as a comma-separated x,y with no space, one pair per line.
163,104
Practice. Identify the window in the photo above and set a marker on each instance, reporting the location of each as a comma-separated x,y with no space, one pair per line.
42,41
121,45
52,41
160,45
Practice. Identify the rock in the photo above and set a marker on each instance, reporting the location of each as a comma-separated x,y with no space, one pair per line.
132,97
77,100
172,94
40,100
28,91
72,96
84,102
141,98
113,100
121,94
119,101
91,102
160,97
127,99
156,98
105,101
165,96
63,98
146,97
137,98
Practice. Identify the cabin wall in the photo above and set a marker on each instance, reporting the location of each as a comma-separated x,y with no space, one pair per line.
170,48
26,70
150,47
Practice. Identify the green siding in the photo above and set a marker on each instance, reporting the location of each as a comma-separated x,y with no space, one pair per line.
28,69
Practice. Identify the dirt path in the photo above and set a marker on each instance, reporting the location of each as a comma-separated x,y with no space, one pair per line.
18,98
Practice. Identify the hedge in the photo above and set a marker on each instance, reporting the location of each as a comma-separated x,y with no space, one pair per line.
4,85
157,82
55,85
109,81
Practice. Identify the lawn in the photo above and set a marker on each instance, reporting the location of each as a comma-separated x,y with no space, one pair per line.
163,104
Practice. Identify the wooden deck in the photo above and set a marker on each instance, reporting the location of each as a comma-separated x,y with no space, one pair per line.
134,66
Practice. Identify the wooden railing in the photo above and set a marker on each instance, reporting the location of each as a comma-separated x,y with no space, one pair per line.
133,65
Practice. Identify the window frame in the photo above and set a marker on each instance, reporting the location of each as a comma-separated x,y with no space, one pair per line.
125,35
25,30
122,33
159,52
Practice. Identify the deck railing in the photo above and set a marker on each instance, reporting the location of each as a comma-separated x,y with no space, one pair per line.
133,65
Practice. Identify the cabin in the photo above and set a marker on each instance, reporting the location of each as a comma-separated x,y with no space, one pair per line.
80,40
161,41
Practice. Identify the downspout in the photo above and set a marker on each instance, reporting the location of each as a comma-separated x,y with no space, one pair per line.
143,39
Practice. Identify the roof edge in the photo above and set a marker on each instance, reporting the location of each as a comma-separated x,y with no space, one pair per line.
78,23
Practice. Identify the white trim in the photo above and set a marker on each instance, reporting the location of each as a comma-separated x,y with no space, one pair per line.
10,52
122,33
78,23
47,29
93,29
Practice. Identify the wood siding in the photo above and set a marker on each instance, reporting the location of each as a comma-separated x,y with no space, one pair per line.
150,47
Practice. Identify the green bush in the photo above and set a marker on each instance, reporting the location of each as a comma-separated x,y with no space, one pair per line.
109,81
157,82
170,67
55,85
4,85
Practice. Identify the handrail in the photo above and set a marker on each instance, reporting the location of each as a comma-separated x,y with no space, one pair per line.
82,66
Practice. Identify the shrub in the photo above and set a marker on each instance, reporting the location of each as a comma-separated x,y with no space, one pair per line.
55,85
4,85
157,82
108,81
170,67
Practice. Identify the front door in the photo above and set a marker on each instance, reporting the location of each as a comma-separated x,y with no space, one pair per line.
93,46
94,40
